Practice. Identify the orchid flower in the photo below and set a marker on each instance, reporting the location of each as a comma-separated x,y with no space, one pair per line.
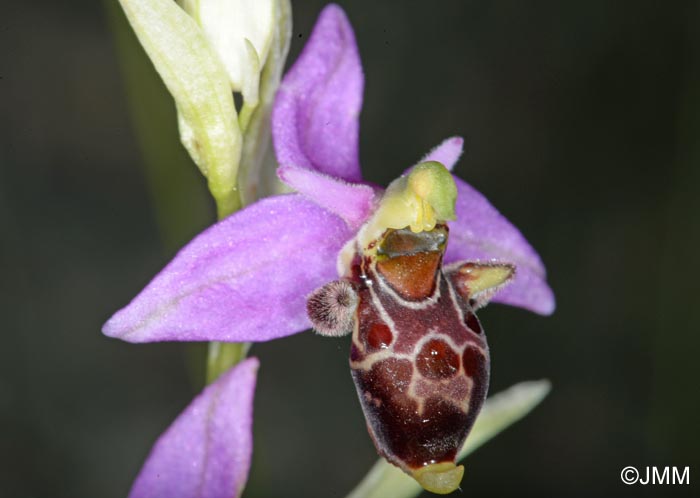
247,278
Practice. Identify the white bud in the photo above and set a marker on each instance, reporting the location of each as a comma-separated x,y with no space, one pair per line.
241,32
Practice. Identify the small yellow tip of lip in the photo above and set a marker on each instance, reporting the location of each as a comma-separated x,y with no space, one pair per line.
439,478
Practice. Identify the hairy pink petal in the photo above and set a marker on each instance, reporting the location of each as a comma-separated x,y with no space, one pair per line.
315,119
244,279
353,202
447,153
481,233
206,451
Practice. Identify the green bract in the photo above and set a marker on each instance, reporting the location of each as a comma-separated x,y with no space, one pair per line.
196,79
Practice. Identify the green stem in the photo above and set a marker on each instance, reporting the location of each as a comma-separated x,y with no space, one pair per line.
223,355
255,124
227,203
245,115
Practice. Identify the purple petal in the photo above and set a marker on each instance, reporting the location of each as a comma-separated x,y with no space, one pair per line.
315,117
206,452
447,152
353,202
244,279
481,233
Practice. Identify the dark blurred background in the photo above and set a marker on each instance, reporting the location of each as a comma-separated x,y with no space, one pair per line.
582,125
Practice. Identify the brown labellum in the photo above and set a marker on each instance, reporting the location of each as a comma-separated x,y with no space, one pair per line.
419,357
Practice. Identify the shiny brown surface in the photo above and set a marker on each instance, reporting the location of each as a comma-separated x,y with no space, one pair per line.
379,336
437,360
411,276
402,433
